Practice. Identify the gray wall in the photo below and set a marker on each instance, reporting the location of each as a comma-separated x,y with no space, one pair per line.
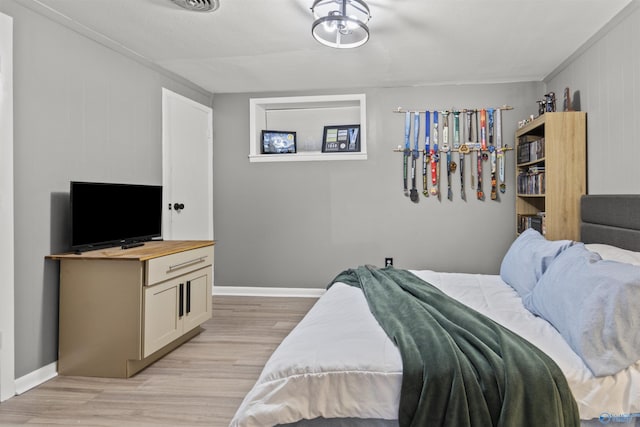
82,112
606,74
297,224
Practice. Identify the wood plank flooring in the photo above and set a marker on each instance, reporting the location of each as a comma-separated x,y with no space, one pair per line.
200,383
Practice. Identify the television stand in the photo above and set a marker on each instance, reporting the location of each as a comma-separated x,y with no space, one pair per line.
132,245
120,310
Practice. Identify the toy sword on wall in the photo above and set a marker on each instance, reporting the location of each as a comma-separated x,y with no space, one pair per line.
492,151
435,159
471,144
462,150
407,152
479,155
447,150
426,154
503,186
414,157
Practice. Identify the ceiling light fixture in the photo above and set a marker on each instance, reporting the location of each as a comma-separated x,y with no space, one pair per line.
340,23
198,5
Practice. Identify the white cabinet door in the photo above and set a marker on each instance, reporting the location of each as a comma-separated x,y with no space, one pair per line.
174,307
197,299
162,323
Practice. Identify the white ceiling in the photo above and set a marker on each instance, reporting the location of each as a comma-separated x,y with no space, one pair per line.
266,45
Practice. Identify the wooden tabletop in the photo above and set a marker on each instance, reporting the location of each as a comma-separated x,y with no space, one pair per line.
151,249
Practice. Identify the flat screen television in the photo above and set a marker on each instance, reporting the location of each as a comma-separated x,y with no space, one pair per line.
104,214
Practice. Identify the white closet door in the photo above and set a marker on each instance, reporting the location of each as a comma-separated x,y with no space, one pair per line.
187,171
7,347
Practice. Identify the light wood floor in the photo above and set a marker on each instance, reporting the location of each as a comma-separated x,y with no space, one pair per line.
199,384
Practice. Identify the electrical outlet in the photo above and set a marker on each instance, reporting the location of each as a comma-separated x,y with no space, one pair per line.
388,262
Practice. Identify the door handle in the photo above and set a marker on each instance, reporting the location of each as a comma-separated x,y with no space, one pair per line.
181,300
178,206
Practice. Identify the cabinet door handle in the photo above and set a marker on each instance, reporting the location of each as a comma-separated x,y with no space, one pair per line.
187,263
188,296
181,301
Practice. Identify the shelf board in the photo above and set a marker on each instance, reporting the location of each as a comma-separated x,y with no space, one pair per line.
531,125
306,157
534,162
531,195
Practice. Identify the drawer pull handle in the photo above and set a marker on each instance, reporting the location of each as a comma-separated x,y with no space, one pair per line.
186,263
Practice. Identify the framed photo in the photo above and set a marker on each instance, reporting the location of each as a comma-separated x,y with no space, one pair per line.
342,138
278,142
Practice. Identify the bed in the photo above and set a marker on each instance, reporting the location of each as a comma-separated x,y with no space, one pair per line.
338,367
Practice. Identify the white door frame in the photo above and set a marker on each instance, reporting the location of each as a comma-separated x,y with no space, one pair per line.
166,158
7,339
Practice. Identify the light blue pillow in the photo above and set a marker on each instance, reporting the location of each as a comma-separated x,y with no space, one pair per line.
594,304
528,258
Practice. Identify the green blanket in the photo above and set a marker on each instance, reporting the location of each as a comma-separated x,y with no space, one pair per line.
460,368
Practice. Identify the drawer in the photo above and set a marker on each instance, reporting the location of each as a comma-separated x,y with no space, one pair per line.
174,265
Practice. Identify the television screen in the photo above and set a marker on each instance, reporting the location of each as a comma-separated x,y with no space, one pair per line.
104,214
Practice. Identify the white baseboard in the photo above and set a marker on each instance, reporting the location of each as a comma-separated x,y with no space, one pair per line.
249,291
37,377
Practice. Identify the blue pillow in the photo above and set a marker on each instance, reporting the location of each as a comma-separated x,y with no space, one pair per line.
528,258
593,303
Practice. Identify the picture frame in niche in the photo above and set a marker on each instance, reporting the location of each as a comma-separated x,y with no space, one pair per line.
341,139
278,142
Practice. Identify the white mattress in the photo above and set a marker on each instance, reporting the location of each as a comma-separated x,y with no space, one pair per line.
338,362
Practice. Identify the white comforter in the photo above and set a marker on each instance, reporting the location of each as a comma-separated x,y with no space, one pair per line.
338,362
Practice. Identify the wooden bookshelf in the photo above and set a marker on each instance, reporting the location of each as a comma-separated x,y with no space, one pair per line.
563,167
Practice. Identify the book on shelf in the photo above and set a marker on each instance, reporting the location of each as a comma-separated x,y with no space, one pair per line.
532,181
536,221
530,151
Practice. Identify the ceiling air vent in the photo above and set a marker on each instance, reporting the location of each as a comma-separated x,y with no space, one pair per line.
198,5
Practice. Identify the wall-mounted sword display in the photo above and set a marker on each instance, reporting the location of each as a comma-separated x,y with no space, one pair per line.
488,144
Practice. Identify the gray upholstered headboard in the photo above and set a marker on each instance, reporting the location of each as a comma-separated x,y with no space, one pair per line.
611,219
